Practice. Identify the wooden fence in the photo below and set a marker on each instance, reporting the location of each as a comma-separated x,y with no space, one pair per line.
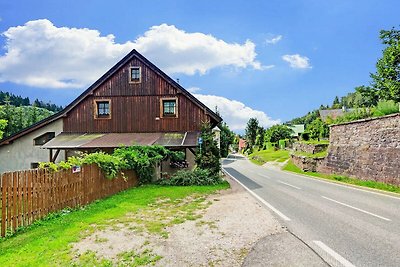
27,196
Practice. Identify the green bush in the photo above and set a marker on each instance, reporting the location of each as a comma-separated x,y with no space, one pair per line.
305,136
270,145
282,144
385,108
142,159
177,156
195,177
207,156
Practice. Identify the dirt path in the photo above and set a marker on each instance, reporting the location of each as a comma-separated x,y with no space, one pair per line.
221,235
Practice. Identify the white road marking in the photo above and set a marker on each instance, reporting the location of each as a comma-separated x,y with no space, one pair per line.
280,214
263,175
334,254
352,207
342,185
289,185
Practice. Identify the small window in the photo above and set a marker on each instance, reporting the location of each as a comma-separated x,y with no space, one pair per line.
103,110
134,75
169,107
44,138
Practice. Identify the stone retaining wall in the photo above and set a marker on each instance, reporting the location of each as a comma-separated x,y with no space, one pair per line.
307,164
366,149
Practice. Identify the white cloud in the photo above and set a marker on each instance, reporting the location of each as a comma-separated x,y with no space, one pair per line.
235,113
177,51
40,54
193,89
274,40
298,62
43,55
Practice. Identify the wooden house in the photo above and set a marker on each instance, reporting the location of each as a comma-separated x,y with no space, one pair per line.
134,103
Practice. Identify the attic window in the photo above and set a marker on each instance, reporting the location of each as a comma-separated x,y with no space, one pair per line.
135,75
103,109
44,138
169,107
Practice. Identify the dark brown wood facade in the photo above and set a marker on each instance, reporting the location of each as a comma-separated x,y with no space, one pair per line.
135,107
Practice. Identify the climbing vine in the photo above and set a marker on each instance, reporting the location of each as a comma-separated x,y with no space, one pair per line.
142,159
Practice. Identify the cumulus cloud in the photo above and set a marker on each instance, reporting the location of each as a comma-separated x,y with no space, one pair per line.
43,55
235,113
180,52
274,40
40,54
193,89
297,62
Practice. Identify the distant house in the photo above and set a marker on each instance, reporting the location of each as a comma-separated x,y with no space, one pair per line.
242,144
298,129
334,113
134,103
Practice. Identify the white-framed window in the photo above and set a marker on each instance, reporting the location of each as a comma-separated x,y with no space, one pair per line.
135,75
102,109
169,107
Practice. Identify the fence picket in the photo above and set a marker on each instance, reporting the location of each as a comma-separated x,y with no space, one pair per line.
27,196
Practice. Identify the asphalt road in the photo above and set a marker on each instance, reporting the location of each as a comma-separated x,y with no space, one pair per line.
346,226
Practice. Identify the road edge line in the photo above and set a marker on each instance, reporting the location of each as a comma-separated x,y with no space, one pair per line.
280,214
333,254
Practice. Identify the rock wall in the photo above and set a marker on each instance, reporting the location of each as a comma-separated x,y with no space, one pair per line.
367,149
307,164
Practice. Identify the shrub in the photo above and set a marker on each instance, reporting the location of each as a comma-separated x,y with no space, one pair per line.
282,143
385,108
195,177
207,157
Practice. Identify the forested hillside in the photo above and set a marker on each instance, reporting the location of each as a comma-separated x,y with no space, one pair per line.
17,113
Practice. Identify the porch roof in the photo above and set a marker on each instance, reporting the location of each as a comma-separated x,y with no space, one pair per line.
113,140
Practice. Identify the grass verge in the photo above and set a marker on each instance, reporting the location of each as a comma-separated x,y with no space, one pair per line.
290,166
263,156
321,154
49,242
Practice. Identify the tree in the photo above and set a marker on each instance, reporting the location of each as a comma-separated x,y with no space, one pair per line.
318,129
3,124
278,132
260,137
336,103
386,81
227,138
208,156
306,119
251,132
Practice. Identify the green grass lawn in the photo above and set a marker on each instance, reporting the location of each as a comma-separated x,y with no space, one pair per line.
321,154
290,166
316,142
263,156
49,242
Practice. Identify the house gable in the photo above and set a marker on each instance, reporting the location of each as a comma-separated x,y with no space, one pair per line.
157,83
137,107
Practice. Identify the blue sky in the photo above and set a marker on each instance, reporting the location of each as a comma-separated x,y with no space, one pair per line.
275,60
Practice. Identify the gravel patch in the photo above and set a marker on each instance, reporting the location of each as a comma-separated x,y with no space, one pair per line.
222,236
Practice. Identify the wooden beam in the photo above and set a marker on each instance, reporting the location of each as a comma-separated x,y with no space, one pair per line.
53,159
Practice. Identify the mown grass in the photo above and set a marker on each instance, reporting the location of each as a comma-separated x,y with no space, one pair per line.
263,156
316,142
321,154
290,166
49,241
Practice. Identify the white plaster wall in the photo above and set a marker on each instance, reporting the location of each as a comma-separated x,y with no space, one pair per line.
22,152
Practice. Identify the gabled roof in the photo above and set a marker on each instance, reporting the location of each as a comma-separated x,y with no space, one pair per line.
95,85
